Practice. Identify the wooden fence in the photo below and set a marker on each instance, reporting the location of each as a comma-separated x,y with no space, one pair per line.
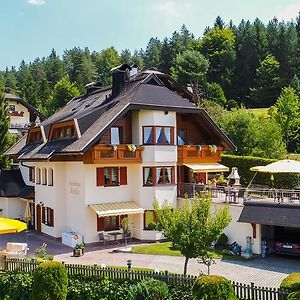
243,291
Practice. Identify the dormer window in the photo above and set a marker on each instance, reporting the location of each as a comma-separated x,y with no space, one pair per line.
34,135
63,131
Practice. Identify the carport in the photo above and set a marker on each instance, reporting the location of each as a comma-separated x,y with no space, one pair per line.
279,221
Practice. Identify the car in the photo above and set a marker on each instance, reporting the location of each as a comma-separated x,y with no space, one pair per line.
287,248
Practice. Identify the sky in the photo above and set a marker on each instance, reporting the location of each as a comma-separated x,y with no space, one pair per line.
31,28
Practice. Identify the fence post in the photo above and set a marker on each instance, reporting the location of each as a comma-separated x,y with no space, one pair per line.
252,291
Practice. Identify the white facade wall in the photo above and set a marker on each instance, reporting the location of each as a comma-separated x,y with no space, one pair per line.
238,231
18,120
13,207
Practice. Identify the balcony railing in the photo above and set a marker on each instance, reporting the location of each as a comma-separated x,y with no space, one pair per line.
19,126
198,153
113,154
239,195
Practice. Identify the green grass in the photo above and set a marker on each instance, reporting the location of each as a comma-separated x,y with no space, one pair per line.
259,111
157,249
166,248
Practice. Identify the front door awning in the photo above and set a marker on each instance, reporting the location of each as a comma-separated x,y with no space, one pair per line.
271,214
207,168
115,209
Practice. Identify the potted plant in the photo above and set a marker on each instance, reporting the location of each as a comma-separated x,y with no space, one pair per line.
79,249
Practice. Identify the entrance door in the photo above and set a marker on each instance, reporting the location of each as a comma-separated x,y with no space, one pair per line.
39,218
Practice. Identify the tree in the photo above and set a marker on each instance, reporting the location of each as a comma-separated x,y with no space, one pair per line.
214,92
105,61
287,115
267,82
4,126
193,227
125,57
295,84
63,92
253,135
190,68
152,53
218,46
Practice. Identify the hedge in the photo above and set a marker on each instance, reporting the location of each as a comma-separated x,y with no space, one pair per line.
291,282
244,163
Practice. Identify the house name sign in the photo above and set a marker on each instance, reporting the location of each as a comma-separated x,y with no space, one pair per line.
74,187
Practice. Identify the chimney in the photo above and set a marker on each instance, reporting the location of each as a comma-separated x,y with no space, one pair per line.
120,77
234,178
134,70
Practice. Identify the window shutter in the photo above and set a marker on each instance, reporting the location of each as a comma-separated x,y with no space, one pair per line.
43,214
51,220
100,224
100,176
123,176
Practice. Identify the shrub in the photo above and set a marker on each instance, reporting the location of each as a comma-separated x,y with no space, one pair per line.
213,287
222,240
50,281
291,282
244,163
294,296
180,292
88,288
149,289
15,285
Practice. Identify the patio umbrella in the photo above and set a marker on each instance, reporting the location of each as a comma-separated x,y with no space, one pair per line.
281,166
11,226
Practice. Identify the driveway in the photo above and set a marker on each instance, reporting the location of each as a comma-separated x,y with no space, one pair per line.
267,272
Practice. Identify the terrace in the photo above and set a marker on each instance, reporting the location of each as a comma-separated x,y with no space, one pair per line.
235,195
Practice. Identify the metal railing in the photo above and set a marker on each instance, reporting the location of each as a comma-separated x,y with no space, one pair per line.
239,195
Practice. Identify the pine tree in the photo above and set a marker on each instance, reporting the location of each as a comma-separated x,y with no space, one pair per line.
4,126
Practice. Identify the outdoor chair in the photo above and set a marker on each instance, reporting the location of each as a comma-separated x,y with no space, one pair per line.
103,238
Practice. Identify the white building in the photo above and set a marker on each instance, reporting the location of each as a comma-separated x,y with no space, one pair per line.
109,153
21,114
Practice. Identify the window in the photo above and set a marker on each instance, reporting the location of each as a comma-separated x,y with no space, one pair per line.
109,223
181,137
63,133
48,216
50,177
34,135
31,174
44,176
158,175
159,135
116,136
38,175
111,176
148,135
149,220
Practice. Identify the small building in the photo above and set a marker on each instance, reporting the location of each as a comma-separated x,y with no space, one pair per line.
109,153
14,195
21,113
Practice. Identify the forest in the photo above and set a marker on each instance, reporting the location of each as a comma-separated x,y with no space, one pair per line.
229,67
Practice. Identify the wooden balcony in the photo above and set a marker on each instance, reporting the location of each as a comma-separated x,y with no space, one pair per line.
113,154
198,154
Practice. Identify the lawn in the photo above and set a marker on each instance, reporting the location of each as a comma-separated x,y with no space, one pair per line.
259,111
165,248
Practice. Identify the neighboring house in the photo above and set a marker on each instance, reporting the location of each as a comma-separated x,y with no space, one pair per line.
21,113
14,195
109,153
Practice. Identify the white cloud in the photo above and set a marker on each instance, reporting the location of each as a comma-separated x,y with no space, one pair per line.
289,12
36,2
173,11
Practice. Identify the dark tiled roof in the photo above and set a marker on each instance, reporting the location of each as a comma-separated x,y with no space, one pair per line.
13,185
97,111
277,214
